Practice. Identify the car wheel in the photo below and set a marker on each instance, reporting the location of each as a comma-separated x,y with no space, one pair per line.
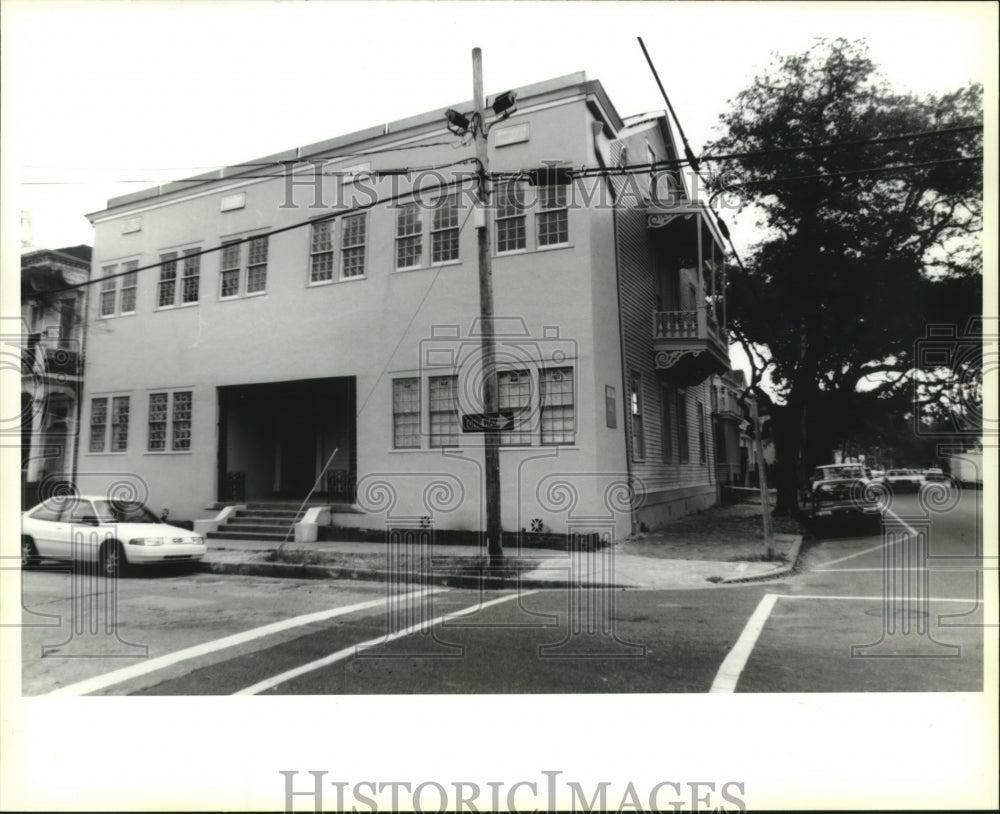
29,553
111,561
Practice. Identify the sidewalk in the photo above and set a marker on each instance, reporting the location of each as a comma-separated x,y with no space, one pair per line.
722,545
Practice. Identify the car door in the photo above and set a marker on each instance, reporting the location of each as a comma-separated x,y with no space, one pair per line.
44,527
80,535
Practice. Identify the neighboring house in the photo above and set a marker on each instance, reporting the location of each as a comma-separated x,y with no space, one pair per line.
53,315
734,447
240,335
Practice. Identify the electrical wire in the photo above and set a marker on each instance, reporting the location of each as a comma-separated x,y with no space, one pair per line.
321,219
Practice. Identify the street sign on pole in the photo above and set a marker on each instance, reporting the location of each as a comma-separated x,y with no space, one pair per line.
488,422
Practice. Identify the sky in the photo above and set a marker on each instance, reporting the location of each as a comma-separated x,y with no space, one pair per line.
105,98
99,99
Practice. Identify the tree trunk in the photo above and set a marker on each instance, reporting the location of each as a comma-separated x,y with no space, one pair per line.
787,442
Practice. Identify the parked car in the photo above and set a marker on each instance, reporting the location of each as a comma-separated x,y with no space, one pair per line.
934,475
903,480
116,534
842,491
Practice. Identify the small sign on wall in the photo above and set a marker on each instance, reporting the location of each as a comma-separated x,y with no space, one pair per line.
132,225
610,407
236,201
514,134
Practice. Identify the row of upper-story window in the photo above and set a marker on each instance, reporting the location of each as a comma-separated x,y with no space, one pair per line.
338,249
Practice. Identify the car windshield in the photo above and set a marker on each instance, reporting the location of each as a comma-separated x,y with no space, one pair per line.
837,472
123,511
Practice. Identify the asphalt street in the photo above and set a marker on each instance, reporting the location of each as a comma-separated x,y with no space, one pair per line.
898,610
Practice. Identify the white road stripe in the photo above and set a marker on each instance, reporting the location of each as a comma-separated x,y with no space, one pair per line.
736,660
118,676
896,517
347,652
879,598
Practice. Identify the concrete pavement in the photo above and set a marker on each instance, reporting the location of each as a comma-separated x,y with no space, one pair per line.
720,563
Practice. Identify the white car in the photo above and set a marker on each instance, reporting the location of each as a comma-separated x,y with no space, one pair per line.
900,480
116,534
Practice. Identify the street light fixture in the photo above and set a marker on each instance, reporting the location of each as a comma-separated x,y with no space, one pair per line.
504,105
457,123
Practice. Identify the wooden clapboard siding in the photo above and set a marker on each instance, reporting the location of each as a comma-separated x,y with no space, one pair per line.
637,297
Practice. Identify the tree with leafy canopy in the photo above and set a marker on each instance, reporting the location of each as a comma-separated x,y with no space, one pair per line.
870,203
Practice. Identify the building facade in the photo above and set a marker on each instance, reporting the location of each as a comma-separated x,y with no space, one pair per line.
53,315
308,321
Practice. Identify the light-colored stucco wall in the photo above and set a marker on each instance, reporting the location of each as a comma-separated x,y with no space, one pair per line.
371,329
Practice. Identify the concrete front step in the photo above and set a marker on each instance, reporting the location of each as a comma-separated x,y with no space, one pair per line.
270,528
248,535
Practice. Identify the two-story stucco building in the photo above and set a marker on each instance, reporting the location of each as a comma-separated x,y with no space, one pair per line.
318,310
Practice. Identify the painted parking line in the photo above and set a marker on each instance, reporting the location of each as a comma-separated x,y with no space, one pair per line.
736,660
134,671
825,566
348,652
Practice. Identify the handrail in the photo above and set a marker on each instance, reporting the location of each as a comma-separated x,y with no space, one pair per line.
304,502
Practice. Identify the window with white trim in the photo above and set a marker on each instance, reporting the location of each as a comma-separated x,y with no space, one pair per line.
98,424
406,413
119,423
169,421
167,290
409,226
321,252
443,410
514,393
229,270
444,230
510,217
683,451
130,282
232,282
352,246
552,217
257,265
702,448
635,408
109,291
558,415
192,276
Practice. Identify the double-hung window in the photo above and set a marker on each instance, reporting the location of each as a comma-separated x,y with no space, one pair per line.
352,246
683,451
257,265
231,278
229,274
109,291
444,410
406,413
167,290
114,301
511,217
169,421
444,230
702,447
130,282
99,424
192,276
552,218
409,226
321,252
558,414
635,408
514,394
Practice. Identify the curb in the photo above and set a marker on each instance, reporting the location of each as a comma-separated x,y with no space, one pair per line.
469,580
781,570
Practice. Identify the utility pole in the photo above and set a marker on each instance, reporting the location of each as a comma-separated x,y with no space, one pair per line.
765,501
487,337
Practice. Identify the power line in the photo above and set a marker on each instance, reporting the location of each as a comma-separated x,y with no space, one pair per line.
321,219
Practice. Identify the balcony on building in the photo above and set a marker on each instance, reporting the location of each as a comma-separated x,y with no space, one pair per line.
688,322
